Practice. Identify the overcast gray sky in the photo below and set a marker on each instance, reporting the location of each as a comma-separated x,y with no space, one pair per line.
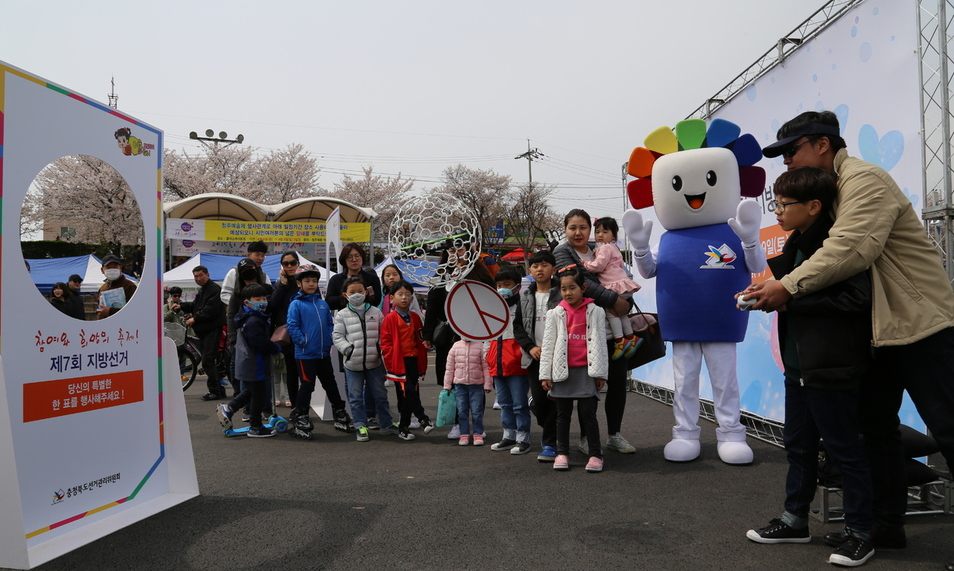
410,87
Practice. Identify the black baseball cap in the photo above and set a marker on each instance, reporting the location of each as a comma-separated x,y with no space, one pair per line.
75,278
797,132
112,259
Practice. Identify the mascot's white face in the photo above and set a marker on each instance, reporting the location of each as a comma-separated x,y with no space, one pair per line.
696,188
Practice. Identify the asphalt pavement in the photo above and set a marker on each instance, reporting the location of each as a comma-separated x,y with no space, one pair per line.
334,503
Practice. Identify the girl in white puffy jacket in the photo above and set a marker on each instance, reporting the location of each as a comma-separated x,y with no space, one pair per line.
469,375
573,365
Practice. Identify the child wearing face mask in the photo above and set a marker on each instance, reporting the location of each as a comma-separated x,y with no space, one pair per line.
356,334
511,380
253,351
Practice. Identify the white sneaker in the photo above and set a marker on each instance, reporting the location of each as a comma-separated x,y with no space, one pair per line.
496,405
454,433
619,444
415,424
583,447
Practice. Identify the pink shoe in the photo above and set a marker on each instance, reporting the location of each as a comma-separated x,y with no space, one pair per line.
464,440
478,440
594,465
561,462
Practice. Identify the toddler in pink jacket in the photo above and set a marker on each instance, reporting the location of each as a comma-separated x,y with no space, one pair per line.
469,375
607,263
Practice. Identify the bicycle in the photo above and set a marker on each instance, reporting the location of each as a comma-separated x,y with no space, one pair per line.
187,348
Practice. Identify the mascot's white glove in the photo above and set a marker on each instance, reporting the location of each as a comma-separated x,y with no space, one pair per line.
638,231
746,225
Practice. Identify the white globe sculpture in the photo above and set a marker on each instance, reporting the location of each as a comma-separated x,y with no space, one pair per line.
423,229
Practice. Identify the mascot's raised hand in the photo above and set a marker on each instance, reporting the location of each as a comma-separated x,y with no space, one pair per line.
695,177
638,231
746,225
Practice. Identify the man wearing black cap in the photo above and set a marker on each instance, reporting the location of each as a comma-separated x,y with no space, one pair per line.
110,303
74,302
256,253
912,308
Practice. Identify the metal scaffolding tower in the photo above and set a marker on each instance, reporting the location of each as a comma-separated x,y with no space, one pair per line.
934,25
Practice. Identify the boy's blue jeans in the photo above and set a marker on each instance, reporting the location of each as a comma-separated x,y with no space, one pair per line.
831,415
371,381
514,407
470,401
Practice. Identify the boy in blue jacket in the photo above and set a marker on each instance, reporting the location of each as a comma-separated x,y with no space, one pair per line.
310,326
253,350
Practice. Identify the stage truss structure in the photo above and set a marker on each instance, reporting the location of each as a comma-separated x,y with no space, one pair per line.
935,69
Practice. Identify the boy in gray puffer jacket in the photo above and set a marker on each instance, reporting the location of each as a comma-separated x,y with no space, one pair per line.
355,335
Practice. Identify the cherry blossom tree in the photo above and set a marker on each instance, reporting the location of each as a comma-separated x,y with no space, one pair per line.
88,195
383,194
278,176
530,220
487,194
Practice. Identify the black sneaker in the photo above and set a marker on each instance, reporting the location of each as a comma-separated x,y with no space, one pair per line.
520,448
778,531
853,552
505,444
260,432
213,396
373,423
404,434
881,538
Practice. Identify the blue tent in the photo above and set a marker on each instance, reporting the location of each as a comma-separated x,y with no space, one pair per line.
47,271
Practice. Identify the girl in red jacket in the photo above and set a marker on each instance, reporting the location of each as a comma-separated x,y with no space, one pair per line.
405,357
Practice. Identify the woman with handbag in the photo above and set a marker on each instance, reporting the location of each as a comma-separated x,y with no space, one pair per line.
281,298
573,251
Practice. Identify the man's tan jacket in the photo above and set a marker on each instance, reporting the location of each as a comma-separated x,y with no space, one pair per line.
876,226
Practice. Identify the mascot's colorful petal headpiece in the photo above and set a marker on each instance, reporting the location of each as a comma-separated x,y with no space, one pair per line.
686,136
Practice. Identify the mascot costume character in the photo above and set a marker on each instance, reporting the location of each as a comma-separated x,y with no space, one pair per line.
696,178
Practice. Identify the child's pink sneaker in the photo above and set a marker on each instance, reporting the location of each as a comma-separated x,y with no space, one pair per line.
478,440
561,462
464,440
594,465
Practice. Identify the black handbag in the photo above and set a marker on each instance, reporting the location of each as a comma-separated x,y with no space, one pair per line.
646,327
443,337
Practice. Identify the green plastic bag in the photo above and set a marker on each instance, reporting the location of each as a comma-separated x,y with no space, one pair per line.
446,408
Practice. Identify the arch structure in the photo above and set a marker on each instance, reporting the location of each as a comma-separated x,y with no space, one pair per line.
224,206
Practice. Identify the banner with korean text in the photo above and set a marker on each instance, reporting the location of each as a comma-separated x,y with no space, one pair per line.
248,231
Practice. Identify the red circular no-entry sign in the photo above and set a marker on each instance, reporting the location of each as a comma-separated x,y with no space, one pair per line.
476,311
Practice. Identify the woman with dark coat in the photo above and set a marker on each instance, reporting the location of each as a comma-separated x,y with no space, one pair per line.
282,296
352,259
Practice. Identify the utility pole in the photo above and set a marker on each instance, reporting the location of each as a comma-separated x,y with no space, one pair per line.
531,155
112,97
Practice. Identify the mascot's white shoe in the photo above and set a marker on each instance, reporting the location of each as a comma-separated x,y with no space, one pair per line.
680,450
734,452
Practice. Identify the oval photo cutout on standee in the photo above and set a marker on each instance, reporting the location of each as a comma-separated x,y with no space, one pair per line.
82,239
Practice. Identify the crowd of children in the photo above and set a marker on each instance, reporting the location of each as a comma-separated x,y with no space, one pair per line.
534,354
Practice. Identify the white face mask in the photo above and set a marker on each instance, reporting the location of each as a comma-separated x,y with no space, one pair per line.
112,274
356,299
